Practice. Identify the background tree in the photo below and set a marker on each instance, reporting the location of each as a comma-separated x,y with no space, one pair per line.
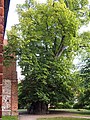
84,97
45,41
84,71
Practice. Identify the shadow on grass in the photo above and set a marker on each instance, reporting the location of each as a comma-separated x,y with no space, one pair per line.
62,111
69,111
62,119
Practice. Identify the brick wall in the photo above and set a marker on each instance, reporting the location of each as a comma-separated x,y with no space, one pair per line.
1,50
14,98
9,78
10,89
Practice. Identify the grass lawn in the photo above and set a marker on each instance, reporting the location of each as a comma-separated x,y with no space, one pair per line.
62,118
9,118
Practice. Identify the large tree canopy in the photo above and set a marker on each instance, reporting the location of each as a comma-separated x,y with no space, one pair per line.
45,41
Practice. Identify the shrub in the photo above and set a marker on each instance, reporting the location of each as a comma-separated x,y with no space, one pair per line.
63,105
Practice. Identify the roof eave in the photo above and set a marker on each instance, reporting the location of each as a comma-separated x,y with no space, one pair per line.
6,9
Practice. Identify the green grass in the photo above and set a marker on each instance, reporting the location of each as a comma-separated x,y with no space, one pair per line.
22,110
62,118
9,118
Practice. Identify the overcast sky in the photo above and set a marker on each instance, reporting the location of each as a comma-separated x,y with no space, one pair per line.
13,19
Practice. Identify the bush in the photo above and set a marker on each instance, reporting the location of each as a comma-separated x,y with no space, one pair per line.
63,105
87,107
78,106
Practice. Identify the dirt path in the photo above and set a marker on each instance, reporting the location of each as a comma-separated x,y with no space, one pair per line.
34,117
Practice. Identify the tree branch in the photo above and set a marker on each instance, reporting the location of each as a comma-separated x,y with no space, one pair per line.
54,47
61,47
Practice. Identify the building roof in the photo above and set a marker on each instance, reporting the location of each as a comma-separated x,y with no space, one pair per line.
6,8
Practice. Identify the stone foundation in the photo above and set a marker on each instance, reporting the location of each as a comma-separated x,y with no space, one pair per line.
6,93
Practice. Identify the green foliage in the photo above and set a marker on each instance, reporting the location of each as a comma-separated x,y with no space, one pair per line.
61,105
21,101
85,73
84,97
83,68
45,41
80,8
84,45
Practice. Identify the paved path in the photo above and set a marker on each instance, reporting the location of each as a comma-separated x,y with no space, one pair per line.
34,117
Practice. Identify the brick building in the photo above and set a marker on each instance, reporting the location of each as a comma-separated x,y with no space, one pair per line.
9,89
1,50
7,75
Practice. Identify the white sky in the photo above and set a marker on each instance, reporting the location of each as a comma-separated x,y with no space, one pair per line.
13,19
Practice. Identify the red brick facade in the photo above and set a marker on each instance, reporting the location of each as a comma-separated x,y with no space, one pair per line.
8,76
1,49
10,90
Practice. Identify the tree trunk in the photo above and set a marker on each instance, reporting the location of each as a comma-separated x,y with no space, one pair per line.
38,108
